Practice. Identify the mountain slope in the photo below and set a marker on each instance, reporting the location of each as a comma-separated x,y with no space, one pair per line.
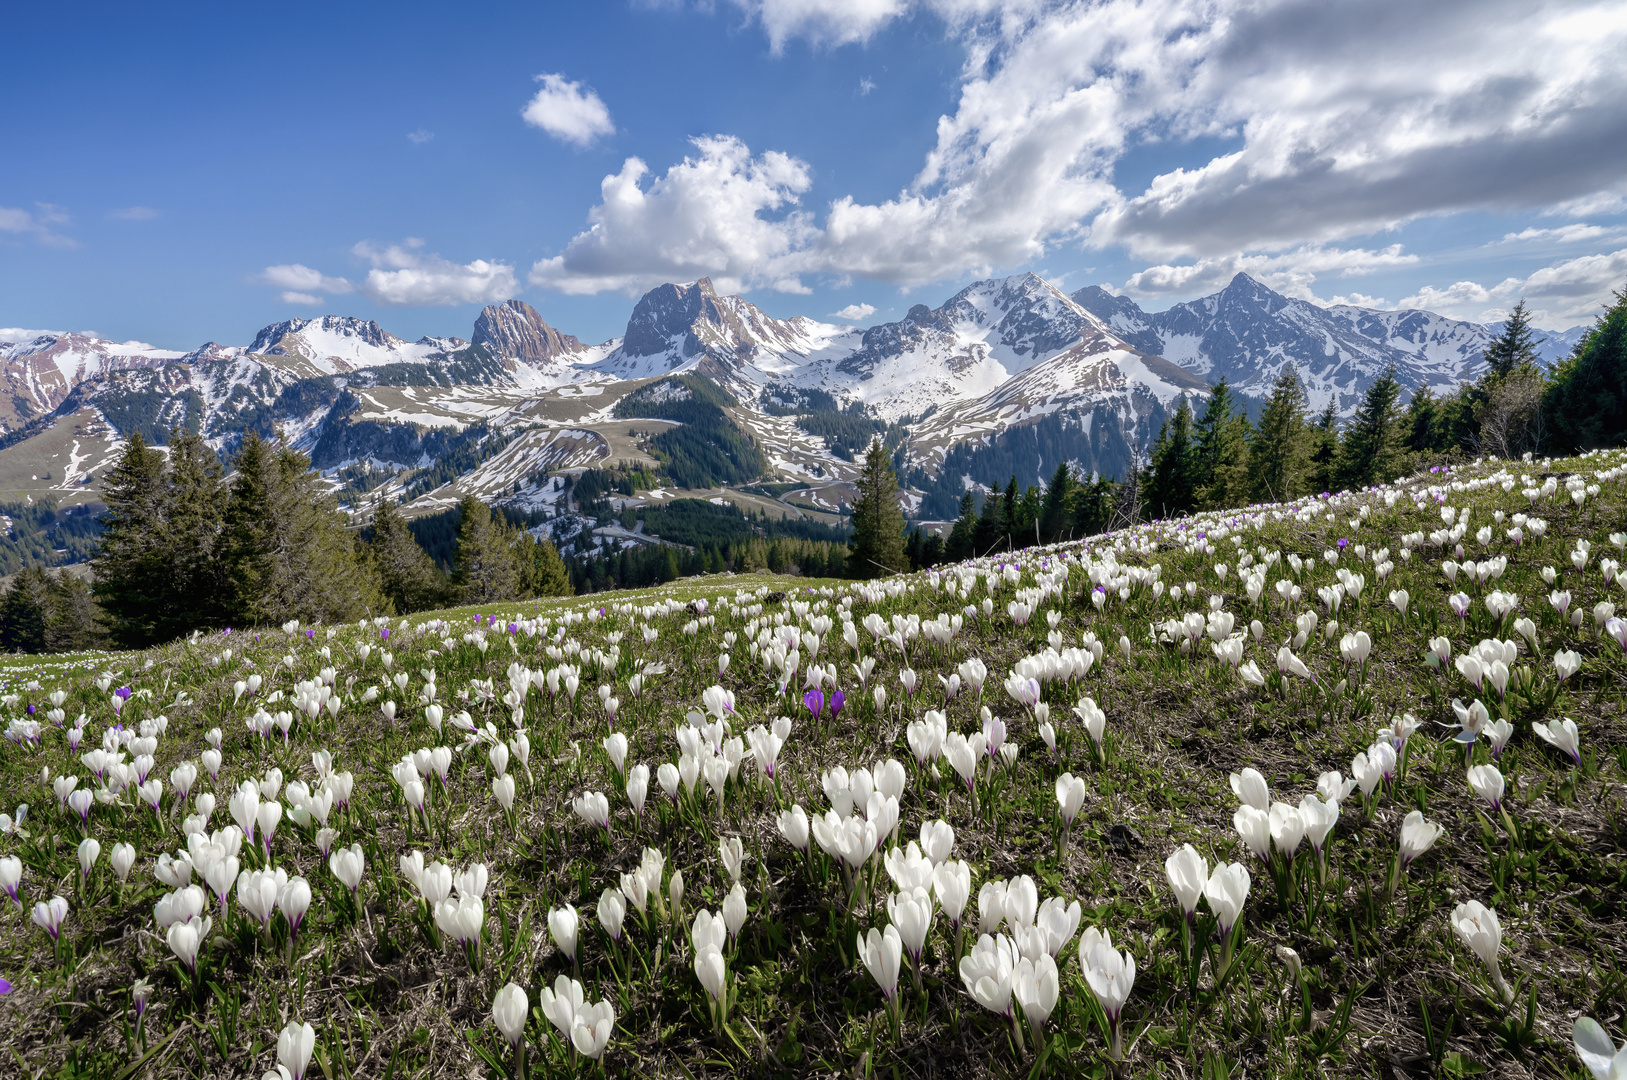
1247,333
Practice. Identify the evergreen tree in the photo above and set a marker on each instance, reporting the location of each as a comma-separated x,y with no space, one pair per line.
991,527
1280,454
1324,436
963,535
1585,404
194,513
1053,514
548,574
1221,451
1369,453
1012,525
74,622
130,570
408,577
25,610
1514,347
878,523
1171,483
1091,508
483,569
286,549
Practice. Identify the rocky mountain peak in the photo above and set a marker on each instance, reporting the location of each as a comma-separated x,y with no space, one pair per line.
514,331
269,340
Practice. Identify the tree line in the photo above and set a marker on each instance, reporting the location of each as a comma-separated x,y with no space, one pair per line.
185,547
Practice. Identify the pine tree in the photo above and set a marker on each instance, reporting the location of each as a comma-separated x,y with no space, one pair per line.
963,534
1585,405
74,622
1221,451
483,568
25,610
285,548
1171,483
1280,454
1012,525
194,513
1053,515
408,577
878,523
1324,435
1515,347
1369,453
131,576
548,574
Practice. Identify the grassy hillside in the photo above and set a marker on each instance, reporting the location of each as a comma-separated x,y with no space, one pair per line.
1291,640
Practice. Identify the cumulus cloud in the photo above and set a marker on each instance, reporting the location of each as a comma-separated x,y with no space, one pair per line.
568,111
37,225
1560,296
710,214
854,312
1340,121
306,299
133,213
823,22
420,136
403,275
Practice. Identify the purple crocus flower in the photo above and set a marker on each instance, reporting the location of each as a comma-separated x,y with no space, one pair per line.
837,700
384,634
1343,543
123,693
31,710
815,702
310,635
5,987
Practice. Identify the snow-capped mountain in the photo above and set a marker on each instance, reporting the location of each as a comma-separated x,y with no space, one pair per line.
38,368
690,327
333,344
1247,333
971,346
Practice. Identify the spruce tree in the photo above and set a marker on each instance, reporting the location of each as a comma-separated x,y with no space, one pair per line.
878,523
74,623
1585,405
408,577
1053,515
1369,453
1171,483
1515,347
131,575
963,534
549,576
195,506
483,568
25,610
1280,454
1324,435
1221,451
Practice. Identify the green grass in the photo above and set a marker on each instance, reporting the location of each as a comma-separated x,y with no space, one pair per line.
1388,989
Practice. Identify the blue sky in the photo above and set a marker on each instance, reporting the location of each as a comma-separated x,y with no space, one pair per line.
197,173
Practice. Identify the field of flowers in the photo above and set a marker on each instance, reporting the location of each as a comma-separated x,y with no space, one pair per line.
1331,788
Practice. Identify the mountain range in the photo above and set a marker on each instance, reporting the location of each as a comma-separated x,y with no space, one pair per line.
1007,373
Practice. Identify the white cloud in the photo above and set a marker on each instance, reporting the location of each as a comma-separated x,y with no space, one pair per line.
1565,234
301,280
1290,273
854,312
420,136
133,213
1342,121
569,111
866,85
401,275
823,22
301,298
704,216
36,225
1357,299
1559,296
